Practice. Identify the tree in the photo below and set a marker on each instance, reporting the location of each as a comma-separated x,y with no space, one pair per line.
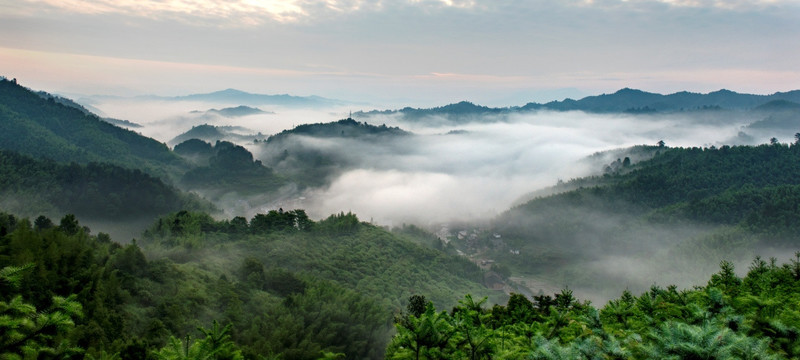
69,224
28,333
216,345
42,223
424,337
660,143
416,305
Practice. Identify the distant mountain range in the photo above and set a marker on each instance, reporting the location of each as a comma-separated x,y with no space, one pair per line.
232,112
623,101
233,96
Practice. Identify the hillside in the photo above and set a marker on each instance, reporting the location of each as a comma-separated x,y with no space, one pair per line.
313,154
225,167
627,229
730,317
39,127
345,128
211,133
287,286
99,191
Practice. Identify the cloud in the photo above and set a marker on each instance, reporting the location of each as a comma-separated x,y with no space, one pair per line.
719,4
248,13
233,13
431,177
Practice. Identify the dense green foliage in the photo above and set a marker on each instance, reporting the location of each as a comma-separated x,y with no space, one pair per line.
229,167
96,190
755,317
314,154
214,133
278,285
342,128
44,128
684,206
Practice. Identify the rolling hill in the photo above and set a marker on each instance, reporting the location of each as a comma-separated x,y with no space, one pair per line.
42,127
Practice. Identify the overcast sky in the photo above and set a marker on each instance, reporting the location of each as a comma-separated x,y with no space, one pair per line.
417,52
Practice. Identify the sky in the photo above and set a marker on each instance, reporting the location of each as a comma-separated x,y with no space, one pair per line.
409,52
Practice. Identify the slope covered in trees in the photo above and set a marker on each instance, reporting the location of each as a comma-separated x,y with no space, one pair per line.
314,154
755,317
277,286
94,190
225,167
693,206
44,128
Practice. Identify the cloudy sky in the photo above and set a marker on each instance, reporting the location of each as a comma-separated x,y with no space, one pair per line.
418,52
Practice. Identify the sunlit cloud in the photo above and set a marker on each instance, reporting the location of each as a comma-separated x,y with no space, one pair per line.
229,13
247,12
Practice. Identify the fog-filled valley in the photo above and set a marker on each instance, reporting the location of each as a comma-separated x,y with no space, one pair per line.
462,167
307,227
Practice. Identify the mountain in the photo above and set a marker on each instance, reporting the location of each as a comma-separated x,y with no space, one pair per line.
212,133
631,99
224,168
463,111
43,127
86,109
233,96
623,101
779,116
313,154
98,191
699,205
345,128
233,112
278,284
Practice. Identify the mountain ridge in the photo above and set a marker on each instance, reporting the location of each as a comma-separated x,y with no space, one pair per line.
625,100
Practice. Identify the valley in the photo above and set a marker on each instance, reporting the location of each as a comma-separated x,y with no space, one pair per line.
320,237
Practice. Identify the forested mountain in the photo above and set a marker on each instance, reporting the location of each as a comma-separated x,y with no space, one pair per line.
237,111
345,128
778,115
278,285
313,154
44,128
453,112
687,205
236,289
102,191
623,101
226,167
631,100
212,134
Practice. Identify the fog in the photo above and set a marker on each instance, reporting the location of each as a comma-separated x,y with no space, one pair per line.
165,119
436,176
448,172
480,171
